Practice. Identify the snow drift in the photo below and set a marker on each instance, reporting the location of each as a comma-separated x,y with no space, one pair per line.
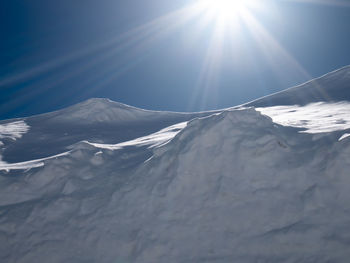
227,186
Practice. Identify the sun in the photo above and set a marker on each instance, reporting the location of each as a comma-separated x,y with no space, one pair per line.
224,9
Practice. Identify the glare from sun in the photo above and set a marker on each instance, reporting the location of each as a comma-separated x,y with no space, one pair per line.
223,9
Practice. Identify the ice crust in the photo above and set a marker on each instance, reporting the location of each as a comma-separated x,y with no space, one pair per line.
230,187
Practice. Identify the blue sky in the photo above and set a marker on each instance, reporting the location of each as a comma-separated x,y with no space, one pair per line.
162,55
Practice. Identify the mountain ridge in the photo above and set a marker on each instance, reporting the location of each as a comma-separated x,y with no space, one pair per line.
328,87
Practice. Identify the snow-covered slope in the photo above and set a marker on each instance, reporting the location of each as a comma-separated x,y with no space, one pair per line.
320,105
332,87
312,118
95,120
104,182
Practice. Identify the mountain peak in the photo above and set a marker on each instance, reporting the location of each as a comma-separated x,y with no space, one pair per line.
97,110
103,102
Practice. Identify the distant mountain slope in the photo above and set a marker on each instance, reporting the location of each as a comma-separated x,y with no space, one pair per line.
96,120
332,87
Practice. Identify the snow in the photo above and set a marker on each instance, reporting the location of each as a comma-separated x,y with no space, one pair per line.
27,165
105,182
13,130
314,118
152,140
96,121
344,136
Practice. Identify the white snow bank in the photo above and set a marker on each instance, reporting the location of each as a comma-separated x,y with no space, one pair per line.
344,136
152,140
4,166
13,130
315,118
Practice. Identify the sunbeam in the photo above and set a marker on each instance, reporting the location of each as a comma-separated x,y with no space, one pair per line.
271,49
227,23
134,43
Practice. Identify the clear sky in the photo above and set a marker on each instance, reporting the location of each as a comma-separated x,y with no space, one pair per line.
164,55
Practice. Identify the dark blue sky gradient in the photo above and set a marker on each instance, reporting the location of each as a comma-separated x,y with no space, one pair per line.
51,55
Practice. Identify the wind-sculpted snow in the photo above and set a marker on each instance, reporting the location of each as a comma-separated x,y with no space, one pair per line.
344,136
13,130
230,187
314,118
4,166
153,140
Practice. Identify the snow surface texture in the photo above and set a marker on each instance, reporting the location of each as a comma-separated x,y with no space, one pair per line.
13,130
147,187
153,140
315,117
345,135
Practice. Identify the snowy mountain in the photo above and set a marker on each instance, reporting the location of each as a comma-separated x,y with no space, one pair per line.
95,120
105,182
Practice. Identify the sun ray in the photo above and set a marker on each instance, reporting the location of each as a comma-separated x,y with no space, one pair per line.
271,49
227,16
208,77
133,42
158,26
